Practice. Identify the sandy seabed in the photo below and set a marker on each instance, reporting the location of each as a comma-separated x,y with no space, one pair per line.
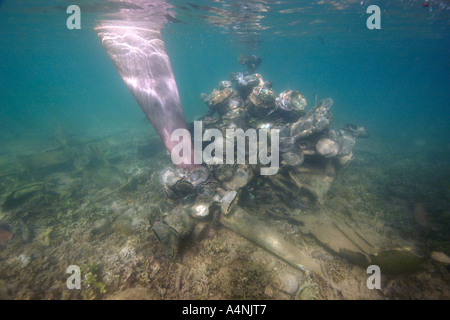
92,202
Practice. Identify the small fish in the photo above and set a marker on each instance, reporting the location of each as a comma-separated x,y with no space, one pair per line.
26,232
61,135
440,257
5,232
421,215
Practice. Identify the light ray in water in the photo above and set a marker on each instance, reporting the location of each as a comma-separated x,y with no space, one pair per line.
133,41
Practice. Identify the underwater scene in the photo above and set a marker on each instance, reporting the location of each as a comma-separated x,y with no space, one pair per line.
224,149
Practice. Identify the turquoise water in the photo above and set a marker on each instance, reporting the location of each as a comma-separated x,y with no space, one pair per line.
395,82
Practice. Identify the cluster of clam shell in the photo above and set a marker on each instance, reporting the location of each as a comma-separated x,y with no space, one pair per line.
248,101
256,95
243,102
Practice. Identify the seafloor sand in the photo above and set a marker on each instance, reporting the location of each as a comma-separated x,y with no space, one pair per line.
92,201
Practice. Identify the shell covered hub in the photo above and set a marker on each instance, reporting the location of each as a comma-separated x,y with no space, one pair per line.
316,120
245,84
219,100
311,154
262,101
291,103
327,147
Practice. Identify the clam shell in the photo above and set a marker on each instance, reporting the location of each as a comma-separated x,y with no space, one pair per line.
327,147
